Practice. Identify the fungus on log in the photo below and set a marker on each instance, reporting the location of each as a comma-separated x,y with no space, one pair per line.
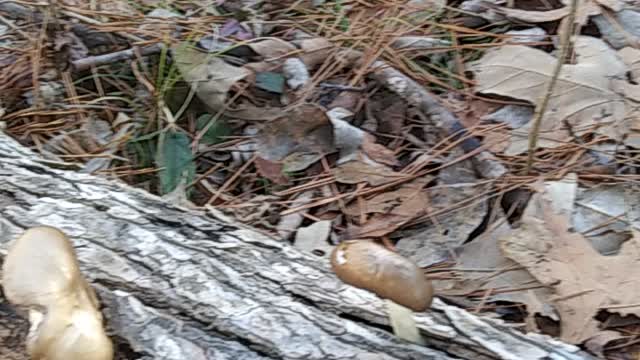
41,273
176,283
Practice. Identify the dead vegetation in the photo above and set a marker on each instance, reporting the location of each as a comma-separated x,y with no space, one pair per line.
406,122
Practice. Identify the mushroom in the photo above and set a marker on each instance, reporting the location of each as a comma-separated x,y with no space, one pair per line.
41,273
371,266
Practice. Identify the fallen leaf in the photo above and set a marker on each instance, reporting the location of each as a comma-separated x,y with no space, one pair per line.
304,129
585,9
355,171
563,194
378,152
598,343
602,214
289,223
385,202
216,131
270,81
621,28
584,95
272,48
209,75
395,209
175,157
314,238
315,51
347,137
631,57
506,276
583,281
434,240
271,170
300,161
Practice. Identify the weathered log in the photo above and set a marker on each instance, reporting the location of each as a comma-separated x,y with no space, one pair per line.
182,284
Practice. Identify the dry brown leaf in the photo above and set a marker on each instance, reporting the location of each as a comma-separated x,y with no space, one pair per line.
400,207
378,152
508,275
305,129
272,48
386,201
209,75
271,170
586,93
355,171
583,281
315,51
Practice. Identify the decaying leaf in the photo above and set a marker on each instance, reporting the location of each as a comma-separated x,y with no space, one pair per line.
583,281
210,75
586,94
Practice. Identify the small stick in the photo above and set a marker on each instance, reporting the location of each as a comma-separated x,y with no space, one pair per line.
542,106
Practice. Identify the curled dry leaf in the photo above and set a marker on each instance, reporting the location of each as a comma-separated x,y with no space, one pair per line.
370,266
41,273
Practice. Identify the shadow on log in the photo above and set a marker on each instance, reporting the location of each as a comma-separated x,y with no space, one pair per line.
182,284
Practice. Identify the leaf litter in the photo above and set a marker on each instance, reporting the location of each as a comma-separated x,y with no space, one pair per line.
357,127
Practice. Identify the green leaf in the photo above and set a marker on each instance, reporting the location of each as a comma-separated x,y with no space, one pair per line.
216,132
270,81
174,155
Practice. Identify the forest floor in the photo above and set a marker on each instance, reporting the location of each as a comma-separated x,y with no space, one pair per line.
449,131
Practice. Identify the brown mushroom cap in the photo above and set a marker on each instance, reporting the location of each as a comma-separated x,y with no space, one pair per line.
41,273
368,265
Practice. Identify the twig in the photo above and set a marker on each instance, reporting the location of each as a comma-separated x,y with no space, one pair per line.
88,62
542,106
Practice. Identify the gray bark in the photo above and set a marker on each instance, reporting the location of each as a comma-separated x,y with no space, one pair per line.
177,283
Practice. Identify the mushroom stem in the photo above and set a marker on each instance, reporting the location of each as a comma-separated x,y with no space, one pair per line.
403,324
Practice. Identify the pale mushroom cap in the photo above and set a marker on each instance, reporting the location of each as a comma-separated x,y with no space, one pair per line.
40,267
368,265
41,272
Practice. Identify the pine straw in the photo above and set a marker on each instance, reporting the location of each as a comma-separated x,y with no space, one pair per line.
371,31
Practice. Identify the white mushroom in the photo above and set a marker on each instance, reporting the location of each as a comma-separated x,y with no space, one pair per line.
41,273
